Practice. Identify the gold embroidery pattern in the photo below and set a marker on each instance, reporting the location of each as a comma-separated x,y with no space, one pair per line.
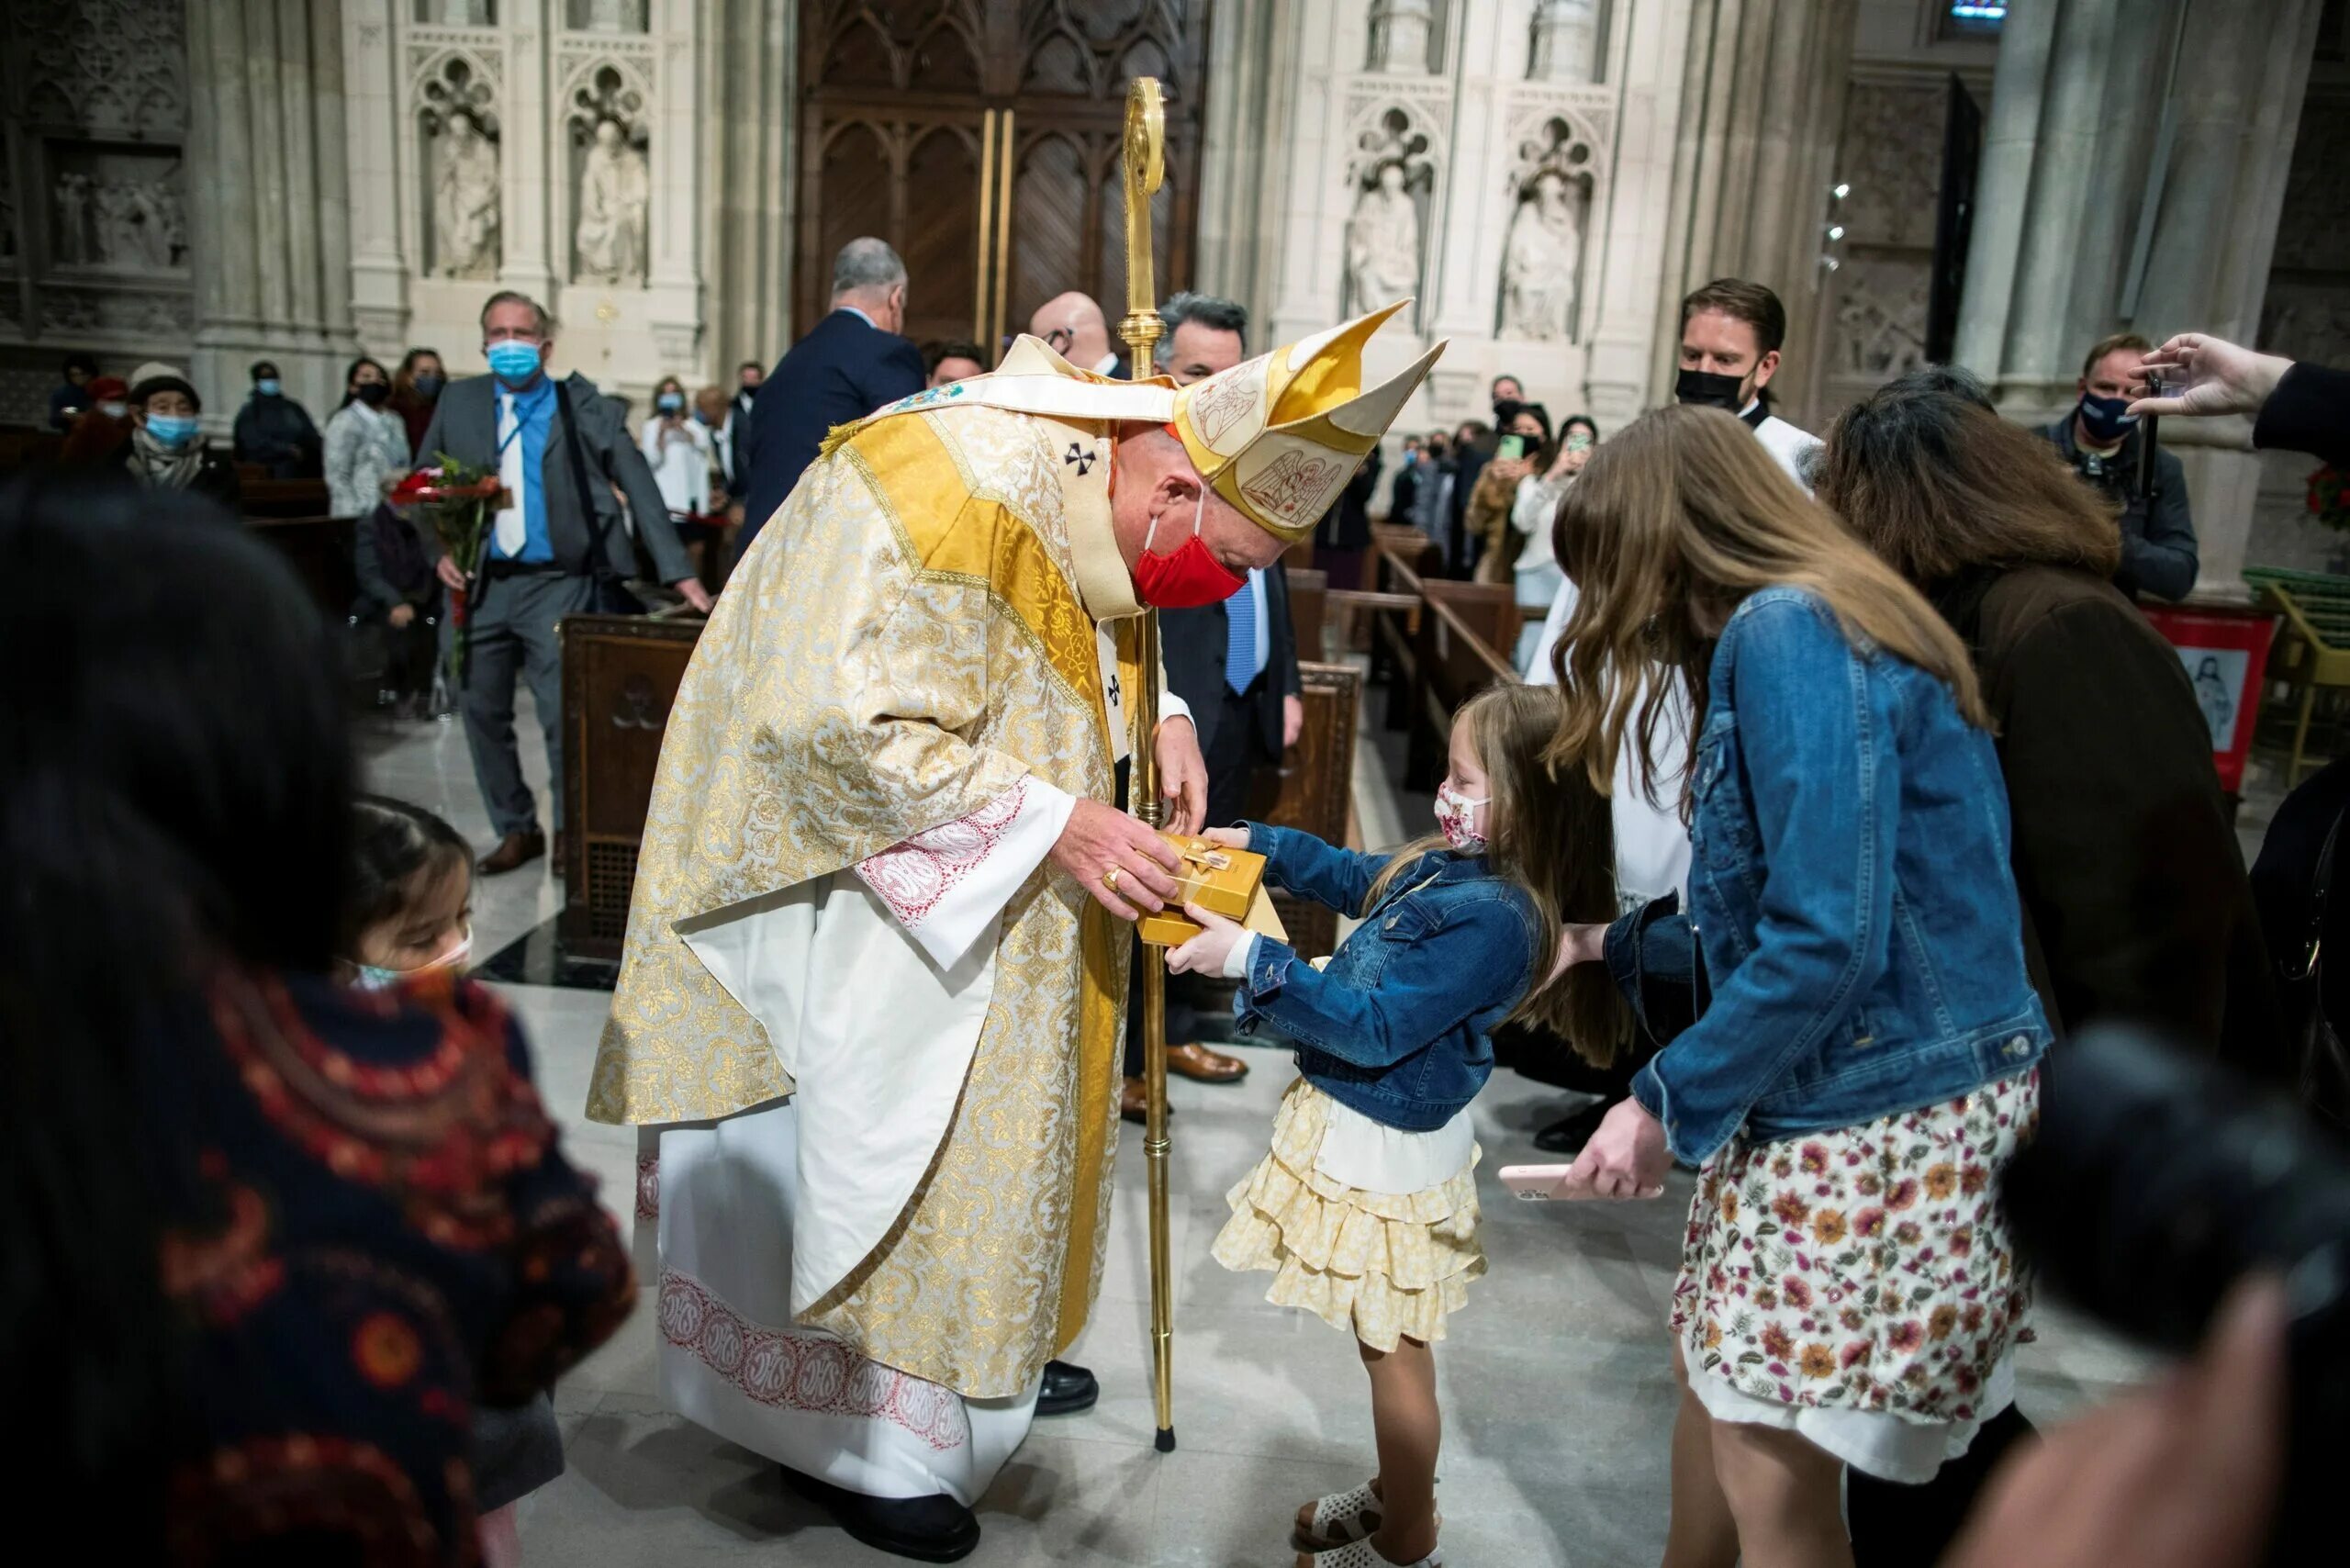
871,672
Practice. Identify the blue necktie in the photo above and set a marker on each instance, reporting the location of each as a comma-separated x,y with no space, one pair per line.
1240,636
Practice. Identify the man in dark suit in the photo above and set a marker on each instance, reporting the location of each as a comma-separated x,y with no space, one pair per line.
537,562
748,376
850,363
1234,663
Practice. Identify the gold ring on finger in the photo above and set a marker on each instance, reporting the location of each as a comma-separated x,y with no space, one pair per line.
1110,878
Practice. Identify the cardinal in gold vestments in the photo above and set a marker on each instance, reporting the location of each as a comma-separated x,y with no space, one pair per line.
868,1015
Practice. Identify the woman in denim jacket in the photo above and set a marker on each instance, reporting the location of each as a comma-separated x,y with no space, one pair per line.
1865,1063
1366,1208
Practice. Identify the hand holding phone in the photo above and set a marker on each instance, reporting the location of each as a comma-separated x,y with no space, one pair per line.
1538,1182
1511,449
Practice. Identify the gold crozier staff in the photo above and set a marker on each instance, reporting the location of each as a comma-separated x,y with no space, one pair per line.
1146,140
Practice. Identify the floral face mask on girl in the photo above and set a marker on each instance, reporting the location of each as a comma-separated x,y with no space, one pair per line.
1458,817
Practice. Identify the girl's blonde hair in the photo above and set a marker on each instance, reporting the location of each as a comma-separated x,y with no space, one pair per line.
1672,525
1551,833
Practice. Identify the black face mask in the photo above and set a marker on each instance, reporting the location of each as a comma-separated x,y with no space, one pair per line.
1709,389
372,393
428,385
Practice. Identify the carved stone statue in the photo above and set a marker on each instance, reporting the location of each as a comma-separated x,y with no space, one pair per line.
1383,242
1399,34
1540,262
615,201
73,217
1566,41
465,201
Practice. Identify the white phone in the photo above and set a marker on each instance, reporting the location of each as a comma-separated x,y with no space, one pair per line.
1536,1183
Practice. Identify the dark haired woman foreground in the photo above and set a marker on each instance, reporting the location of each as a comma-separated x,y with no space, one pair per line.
269,1239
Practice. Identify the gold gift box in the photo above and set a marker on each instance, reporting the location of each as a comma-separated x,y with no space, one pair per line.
1229,882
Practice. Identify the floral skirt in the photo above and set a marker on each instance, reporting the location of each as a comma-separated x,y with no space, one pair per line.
1384,1265
1867,1269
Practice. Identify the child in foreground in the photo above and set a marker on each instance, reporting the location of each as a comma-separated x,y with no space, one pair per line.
411,913
1366,1208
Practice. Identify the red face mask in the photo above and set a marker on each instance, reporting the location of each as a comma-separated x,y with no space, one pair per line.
1190,577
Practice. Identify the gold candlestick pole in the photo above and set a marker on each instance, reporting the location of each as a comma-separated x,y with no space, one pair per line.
1146,171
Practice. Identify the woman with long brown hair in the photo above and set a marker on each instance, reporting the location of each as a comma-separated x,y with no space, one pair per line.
1867,1061
2133,886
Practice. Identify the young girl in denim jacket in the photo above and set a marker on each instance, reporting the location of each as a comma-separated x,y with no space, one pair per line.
1366,1208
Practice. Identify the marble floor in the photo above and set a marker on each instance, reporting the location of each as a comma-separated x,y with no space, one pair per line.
1557,1390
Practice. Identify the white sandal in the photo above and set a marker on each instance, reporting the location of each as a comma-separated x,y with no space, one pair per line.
1340,1519
1362,1555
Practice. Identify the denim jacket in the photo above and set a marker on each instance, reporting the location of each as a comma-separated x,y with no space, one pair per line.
1850,898
1397,1027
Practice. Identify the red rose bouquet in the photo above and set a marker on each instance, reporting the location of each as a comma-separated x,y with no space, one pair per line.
456,500
2330,498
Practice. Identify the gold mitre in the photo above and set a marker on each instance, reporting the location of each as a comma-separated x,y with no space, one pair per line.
1280,435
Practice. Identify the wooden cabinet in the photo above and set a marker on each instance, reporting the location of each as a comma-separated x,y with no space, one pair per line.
982,138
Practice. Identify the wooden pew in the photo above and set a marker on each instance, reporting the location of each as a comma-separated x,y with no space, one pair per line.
318,549
283,497
1459,653
1313,789
1394,633
620,674
1308,594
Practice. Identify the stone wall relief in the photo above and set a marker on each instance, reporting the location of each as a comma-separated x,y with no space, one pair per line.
613,204
101,67
1881,299
1392,178
457,117
1402,32
119,209
1542,257
1565,42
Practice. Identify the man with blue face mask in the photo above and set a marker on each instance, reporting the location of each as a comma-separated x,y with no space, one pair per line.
275,432
560,449
2105,447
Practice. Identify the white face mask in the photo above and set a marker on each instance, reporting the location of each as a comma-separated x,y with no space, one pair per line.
374,977
1458,817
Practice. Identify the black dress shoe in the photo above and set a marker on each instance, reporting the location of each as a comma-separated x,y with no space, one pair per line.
1067,1390
1568,1136
936,1528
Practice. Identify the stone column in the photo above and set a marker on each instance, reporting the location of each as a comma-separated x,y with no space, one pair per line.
527,258
748,141
381,157
2068,157
1630,251
1250,43
1761,100
268,199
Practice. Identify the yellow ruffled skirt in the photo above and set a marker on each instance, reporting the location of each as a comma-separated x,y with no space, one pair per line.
1384,1265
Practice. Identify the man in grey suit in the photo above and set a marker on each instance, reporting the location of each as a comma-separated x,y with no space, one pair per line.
538,563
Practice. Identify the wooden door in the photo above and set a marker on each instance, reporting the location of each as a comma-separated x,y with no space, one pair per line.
980,137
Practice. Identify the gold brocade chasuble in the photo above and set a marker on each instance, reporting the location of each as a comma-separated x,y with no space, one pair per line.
914,631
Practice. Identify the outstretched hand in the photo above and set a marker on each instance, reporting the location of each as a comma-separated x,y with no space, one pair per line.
1182,776
2209,376
1206,954
1123,863
1627,1158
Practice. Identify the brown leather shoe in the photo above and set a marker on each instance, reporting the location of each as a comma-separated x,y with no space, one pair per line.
1196,1061
1134,1102
514,851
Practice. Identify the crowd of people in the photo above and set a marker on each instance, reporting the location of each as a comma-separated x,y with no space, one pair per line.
1845,782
